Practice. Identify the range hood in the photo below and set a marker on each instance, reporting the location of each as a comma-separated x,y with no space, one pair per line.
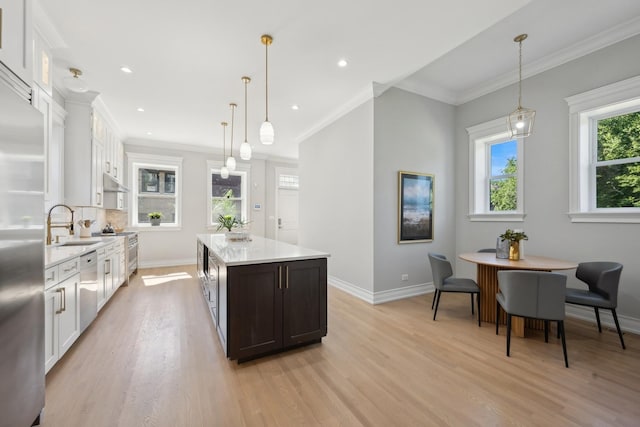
113,186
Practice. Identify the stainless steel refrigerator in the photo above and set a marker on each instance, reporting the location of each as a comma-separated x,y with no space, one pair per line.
21,261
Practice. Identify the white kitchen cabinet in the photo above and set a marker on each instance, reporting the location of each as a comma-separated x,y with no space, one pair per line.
42,64
16,37
62,316
102,268
84,152
121,262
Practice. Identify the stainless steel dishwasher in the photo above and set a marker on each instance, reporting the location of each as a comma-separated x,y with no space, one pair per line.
88,289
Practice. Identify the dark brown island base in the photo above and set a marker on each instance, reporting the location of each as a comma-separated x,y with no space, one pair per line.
264,296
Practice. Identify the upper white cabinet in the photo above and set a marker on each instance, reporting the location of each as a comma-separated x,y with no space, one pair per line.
42,64
91,150
16,37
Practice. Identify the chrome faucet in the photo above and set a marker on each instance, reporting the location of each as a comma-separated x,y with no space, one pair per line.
68,226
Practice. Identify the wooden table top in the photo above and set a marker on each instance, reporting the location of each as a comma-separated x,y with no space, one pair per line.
530,262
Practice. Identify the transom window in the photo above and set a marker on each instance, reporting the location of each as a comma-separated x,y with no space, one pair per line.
496,175
605,153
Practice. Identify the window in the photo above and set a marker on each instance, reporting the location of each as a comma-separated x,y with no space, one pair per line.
291,182
605,154
155,187
496,173
227,196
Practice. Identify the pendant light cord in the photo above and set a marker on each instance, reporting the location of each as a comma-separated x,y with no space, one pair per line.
224,140
233,108
246,81
266,80
520,78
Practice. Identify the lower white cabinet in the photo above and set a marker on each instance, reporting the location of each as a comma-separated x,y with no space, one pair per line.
62,317
111,270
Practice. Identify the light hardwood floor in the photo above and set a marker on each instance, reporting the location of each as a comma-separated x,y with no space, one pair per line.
152,358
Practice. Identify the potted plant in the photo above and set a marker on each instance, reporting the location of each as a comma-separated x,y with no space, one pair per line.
514,238
154,217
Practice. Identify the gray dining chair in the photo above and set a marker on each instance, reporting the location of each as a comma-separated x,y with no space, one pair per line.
532,294
603,279
444,282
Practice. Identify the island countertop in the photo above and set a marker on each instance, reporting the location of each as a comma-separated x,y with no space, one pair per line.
258,250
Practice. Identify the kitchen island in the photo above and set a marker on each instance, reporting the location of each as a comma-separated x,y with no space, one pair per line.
264,296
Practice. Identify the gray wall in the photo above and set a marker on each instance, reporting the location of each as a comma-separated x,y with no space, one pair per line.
546,190
411,133
336,196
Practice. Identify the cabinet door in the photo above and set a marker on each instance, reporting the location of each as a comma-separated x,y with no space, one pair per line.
255,309
44,103
305,301
102,296
16,37
69,319
97,162
52,304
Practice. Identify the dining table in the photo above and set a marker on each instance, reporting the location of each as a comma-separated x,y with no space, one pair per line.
488,266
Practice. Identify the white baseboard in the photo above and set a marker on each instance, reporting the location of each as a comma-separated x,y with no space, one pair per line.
627,323
382,296
167,263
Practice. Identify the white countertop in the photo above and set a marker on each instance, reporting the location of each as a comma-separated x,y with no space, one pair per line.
56,253
257,251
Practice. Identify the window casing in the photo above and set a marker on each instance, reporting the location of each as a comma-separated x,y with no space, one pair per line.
596,172
486,142
155,186
218,187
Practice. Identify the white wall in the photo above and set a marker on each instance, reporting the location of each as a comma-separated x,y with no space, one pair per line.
546,190
416,134
160,247
336,197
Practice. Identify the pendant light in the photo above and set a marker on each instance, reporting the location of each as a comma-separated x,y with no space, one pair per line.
224,172
266,130
245,148
521,120
231,161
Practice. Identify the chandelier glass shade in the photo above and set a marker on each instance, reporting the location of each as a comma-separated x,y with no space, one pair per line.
75,83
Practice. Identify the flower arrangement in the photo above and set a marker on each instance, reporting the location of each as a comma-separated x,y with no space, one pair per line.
513,236
154,215
229,222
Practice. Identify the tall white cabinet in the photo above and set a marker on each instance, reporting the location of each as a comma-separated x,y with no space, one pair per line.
16,38
92,148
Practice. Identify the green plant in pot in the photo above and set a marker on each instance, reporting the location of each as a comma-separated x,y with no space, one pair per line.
154,217
514,238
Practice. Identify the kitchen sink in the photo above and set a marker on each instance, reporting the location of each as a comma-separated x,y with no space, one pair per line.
79,243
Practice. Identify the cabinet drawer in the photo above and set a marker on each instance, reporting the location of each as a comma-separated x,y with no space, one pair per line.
50,277
110,249
68,269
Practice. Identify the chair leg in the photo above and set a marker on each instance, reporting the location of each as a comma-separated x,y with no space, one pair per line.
546,331
508,334
471,295
615,318
437,302
478,301
435,295
598,318
497,316
564,343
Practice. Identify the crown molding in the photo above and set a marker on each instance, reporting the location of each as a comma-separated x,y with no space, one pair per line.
432,91
589,45
362,97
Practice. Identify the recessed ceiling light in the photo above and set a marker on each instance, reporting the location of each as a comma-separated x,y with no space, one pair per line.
126,69
342,63
295,107
141,109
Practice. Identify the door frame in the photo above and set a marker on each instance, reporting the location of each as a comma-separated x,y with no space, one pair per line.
280,170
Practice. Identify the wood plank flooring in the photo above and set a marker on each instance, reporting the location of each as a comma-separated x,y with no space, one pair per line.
152,358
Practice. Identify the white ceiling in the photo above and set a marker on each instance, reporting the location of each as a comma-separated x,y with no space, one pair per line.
188,56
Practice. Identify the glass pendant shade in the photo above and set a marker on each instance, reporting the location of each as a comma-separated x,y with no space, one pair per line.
266,133
245,151
521,122
224,172
231,163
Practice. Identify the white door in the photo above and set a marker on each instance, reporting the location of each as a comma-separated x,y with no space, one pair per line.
287,205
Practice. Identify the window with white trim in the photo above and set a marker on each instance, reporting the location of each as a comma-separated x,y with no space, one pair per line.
155,186
227,196
495,173
605,153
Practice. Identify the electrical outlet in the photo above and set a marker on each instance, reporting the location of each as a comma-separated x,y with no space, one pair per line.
405,277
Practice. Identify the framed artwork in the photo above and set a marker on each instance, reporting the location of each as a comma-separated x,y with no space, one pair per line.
415,207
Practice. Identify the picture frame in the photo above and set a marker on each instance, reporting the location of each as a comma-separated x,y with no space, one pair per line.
415,207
